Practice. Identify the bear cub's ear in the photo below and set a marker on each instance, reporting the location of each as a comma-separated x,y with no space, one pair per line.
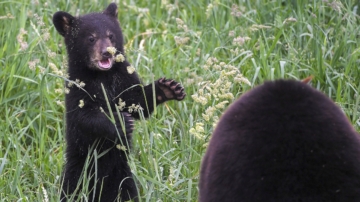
63,21
111,10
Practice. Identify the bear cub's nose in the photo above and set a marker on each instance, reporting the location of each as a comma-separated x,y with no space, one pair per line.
106,54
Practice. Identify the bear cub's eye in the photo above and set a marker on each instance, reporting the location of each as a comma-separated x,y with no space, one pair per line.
91,39
110,36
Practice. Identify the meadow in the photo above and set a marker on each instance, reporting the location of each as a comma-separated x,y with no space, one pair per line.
217,49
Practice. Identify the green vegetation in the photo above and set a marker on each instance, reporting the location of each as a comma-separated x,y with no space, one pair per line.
217,49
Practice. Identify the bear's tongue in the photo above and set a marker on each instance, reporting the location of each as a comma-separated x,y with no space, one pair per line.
105,64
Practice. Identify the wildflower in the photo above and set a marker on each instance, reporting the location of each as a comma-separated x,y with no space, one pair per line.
170,8
196,134
142,43
164,3
67,91
171,174
229,73
119,58
232,33
217,67
221,105
179,21
78,83
198,131
121,147
229,96
53,67
8,16
209,113
200,99
241,79
41,23
111,50
39,20
46,36
32,64
143,10
215,121
82,84
121,104
198,52
263,27
55,70
181,40
336,6
60,103
20,38
198,34
130,69
199,127
235,11
235,51
22,32
134,108
41,69
206,117
51,54
158,135
209,62
255,27
240,40
59,91
23,46
289,20
181,25
81,103
46,197
205,145
209,9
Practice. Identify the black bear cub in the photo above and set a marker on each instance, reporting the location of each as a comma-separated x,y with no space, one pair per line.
283,141
90,132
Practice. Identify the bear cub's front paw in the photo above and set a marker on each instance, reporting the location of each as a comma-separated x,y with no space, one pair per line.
128,123
171,90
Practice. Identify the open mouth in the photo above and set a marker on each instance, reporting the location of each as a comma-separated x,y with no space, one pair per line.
105,64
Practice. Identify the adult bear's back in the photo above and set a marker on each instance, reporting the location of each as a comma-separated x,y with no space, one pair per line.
282,141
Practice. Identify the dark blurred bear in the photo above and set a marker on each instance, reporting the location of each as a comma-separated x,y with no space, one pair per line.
283,141
92,42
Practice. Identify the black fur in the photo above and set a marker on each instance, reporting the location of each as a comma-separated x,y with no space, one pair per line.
86,39
283,141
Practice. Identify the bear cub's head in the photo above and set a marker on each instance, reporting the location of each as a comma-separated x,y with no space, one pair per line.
87,37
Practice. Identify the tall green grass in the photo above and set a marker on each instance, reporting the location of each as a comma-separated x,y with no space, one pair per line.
195,42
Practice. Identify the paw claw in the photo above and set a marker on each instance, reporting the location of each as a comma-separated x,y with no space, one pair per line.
181,97
169,82
178,91
175,86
